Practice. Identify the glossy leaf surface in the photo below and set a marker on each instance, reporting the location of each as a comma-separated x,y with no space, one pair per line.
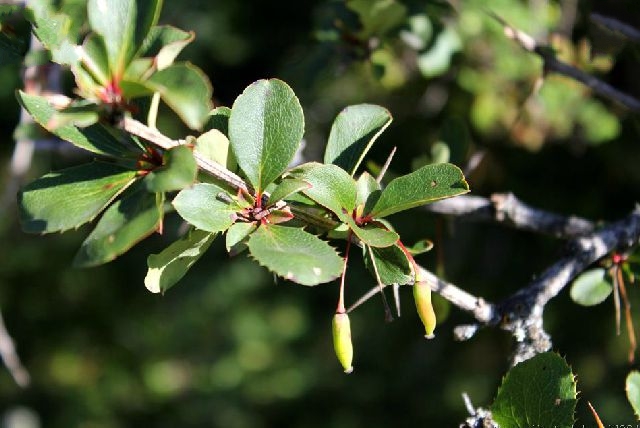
169,266
265,130
591,287
353,133
125,223
427,184
95,138
178,171
295,254
186,89
540,391
69,198
200,206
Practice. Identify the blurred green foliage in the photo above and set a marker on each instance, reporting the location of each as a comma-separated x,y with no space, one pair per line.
231,347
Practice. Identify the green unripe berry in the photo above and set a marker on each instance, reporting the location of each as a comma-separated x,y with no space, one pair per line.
342,340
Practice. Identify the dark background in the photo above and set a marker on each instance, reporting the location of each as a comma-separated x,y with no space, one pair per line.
232,347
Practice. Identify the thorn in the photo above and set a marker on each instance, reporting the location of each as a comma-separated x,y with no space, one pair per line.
383,171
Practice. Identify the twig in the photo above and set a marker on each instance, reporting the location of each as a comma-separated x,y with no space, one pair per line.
479,417
552,64
506,208
521,313
10,357
156,137
616,26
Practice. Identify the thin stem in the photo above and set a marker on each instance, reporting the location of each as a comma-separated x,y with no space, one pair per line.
627,314
152,117
616,299
156,137
387,311
341,309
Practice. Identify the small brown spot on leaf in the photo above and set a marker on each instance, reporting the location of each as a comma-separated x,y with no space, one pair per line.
434,183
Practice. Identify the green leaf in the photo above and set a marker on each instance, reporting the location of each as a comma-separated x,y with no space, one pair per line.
237,237
353,133
633,391
265,130
420,247
69,198
378,16
94,59
538,392
123,24
165,43
186,89
331,187
372,234
287,187
179,170
169,266
437,60
429,183
295,254
200,206
365,186
214,146
125,223
591,287
95,138
53,30
219,119
7,10
392,264
12,49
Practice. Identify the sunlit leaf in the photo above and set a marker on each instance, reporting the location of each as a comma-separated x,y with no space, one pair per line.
201,206
178,171
286,188
633,391
237,236
169,266
165,43
540,391
95,138
53,30
123,24
186,89
373,234
265,130
591,287
429,183
331,187
295,254
214,146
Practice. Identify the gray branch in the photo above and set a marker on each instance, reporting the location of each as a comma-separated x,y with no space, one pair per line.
552,64
616,26
521,313
506,208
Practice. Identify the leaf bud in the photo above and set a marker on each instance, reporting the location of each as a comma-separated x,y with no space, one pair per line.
422,297
342,340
